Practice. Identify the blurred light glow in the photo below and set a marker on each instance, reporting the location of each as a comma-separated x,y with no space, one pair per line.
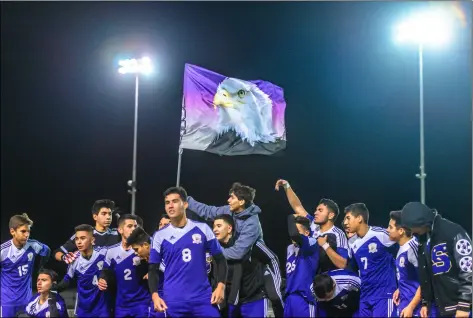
432,27
140,66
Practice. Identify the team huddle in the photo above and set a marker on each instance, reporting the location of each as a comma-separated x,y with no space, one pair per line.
207,261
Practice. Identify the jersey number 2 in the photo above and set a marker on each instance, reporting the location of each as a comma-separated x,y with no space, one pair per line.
186,255
127,273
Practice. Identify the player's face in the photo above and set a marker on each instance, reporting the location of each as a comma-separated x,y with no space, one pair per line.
21,234
127,227
163,222
222,230
174,205
321,214
142,250
235,204
394,233
351,223
43,283
103,217
84,240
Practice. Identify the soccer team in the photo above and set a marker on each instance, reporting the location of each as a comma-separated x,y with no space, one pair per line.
421,266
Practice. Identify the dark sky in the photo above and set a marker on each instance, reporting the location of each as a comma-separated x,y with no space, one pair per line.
352,108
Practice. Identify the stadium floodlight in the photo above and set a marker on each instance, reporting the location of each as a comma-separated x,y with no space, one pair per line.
137,67
428,28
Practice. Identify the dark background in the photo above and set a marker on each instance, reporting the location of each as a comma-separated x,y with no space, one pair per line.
352,108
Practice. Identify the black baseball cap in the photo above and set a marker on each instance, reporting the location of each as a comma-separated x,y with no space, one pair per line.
416,214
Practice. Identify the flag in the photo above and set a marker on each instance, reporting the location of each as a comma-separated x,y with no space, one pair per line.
230,116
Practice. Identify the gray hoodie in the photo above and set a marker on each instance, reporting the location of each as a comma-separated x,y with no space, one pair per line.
247,226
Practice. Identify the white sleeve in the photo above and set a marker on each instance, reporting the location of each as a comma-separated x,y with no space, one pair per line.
412,257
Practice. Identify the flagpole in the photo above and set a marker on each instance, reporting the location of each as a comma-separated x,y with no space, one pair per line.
179,160
181,133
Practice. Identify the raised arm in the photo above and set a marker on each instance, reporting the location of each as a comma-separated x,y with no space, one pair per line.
65,252
294,201
205,211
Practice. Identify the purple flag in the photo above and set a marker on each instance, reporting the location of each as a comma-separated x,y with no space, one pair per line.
230,116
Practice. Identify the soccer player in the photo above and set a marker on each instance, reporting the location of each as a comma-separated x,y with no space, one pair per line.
103,234
370,253
182,246
91,301
121,264
17,258
337,293
46,303
445,255
164,220
245,284
248,235
301,267
407,297
323,228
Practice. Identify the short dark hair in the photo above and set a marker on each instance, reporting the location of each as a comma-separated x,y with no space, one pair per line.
227,219
396,216
52,274
302,220
358,209
19,220
125,217
177,190
138,236
323,285
243,192
164,216
85,228
332,206
104,203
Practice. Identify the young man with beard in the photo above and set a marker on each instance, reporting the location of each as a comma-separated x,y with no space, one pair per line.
182,246
46,303
103,234
125,268
335,255
245,295
17,258
445,255
248,236
86,269
370,253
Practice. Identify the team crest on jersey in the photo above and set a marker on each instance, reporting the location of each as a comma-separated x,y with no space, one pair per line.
465,264
402,261
136,261
372,248
100,265
30,257
196,238
463,247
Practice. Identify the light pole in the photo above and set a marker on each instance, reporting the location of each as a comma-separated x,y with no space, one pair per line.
426,28
137,67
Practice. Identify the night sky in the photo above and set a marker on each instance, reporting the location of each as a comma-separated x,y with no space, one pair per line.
352,114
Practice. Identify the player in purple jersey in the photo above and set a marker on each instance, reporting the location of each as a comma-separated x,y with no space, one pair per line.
301,267
91,302
124,267
337,293
46,303
182,246
407,297
140,242
323,228
370,254
17,258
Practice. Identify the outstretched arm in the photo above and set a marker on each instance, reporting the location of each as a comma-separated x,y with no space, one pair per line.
249,234
294,201
205,211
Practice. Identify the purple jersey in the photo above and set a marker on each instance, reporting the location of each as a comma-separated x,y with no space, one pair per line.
407,274
16,266
301,267
375,263
342,242
132,290
346,283
90,300
182,250
35,309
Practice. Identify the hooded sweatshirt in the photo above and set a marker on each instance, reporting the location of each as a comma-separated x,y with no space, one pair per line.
247,226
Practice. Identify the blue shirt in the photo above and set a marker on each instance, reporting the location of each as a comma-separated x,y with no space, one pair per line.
35,309
375,263
183,251
407,274
345,283
16,267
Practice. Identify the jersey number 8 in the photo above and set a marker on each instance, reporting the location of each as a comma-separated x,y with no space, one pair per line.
186,255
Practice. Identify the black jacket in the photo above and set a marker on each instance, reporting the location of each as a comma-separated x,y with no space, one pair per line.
445,267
